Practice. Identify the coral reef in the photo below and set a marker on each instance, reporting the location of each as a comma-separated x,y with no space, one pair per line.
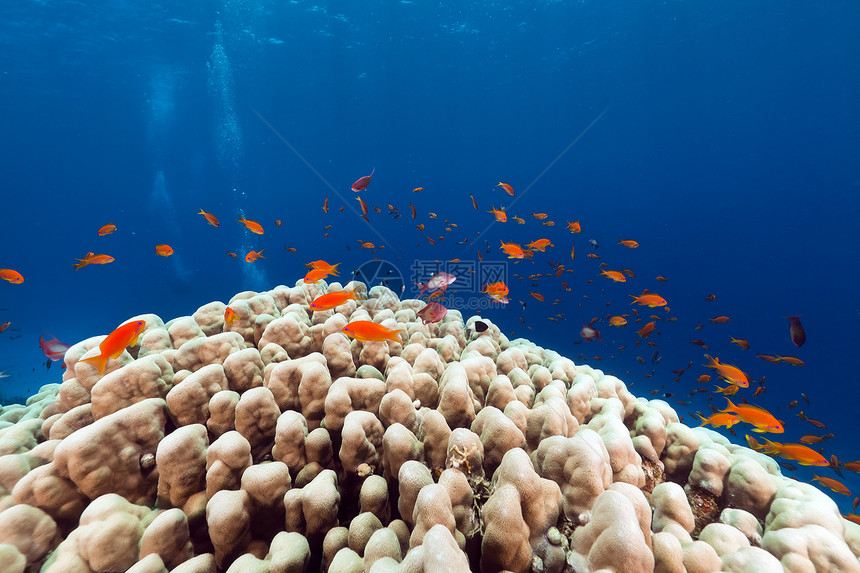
278,444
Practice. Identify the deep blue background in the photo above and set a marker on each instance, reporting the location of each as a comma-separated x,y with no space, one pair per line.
727,146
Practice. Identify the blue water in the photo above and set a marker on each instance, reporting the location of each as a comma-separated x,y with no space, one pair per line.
723,137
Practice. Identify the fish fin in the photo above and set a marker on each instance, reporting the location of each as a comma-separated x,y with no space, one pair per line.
99,361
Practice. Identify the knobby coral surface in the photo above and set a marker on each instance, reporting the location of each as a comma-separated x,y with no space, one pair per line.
279,444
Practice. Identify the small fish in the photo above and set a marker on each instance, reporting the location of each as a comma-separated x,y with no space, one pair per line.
412,208
719,419
593,243
474,203
540,245
230,317
288,249
661,278
91,259
11,276
513,250
234,255
574,227
742,343
252,226
832,484
163,250
277,222
318,274
589,333
646,330
758,417
363,205
508,189
115,343
53,348
433,312
727,372
793,360
796,331
478,326
614,275
362,182
539,216
366,330
650,300
325,205
107,230
439,281
5,325
210,218
537,296
254,255
719,319
617,321
331,300
519,220
768,358
629,244
499,214
418,190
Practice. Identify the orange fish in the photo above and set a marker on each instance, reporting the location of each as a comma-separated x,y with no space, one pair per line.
163,250
325,205
331,300
367,245
768,358
592,256
366,330
617,321
508,189
234,255
539,216
727,372
574,227
813,439
742,343
474,203
758,417
210,218
500,215
498,291
107,229
12,276
318,274
91,259
230,316
793,360
363,205
711,297
720,419
650,300
661,278
537,296
513,250
572,253
540,245
646,330
614,275
277,222
252,226
703,378
418,190
412,208
321,264
115,343
629,244
834,485
719,319
803,455
5,325
288,249
254,255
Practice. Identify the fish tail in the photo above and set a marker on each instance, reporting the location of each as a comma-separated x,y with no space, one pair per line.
394,336
99,361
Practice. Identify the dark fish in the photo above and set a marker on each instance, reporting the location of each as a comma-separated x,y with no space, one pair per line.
479,326
795,329
593,243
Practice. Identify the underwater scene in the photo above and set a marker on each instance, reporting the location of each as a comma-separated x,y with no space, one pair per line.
620,211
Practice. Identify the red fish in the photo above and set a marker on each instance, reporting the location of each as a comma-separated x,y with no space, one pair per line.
589,333
53,348
363,182
508,189
252,226
440,281
433,312
254,255
229,316
163,250
5,325
795,329
331,300
115,343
